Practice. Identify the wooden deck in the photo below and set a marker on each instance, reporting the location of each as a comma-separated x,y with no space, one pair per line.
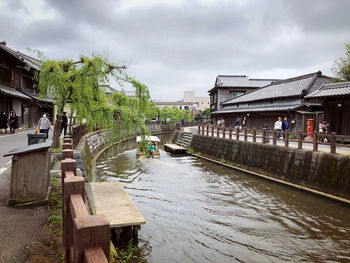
174,148
111,200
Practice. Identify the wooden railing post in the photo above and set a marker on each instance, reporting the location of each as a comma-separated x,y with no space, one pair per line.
274,139
88,231
230,133
254,135
68,164
300,140
315,142
286,139
67,145
72,185
207,130
212,131
67,153
263,136
94,255
203,129
199,129
237,134
333,142
245,134
223,132
217,131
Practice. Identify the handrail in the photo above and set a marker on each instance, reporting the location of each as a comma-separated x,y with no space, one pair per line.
265,136
86,238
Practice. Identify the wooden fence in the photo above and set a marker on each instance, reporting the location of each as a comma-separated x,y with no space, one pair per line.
300,138
86,238
78,132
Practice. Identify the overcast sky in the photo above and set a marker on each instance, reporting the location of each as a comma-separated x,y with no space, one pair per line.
173,45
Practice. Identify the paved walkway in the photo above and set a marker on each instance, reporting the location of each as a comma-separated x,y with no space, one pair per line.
19,226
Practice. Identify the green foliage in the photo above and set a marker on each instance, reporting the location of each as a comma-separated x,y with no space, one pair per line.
341,67
206,113
79,83
124,255
174,114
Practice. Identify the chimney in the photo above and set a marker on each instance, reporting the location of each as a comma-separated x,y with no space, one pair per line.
3,43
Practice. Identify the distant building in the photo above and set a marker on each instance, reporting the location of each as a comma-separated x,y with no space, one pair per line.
17,90
178,104
230,86
202,102
278,99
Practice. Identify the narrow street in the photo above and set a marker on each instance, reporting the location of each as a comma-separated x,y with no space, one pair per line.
21,225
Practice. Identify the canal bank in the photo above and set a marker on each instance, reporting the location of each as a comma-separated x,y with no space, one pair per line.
307,170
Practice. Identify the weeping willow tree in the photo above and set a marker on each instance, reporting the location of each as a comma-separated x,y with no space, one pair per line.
79,84
341,67
174,114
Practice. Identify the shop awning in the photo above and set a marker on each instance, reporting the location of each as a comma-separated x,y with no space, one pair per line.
13,93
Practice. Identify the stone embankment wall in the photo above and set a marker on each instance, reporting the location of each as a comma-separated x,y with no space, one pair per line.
329,173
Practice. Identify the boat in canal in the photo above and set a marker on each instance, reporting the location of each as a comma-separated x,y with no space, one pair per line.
150,139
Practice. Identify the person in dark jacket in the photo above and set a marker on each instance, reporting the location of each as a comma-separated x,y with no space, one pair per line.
64,123
3,122
13,122
285,126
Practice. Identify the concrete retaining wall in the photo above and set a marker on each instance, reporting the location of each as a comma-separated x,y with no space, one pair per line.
325,172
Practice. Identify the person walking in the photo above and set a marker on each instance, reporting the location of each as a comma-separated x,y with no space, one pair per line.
238,124
44,125
64,123
285,126
3,122
13,122
278,127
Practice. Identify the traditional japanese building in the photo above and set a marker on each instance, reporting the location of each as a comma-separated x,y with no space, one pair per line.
335,99
17,90
277,99
227,87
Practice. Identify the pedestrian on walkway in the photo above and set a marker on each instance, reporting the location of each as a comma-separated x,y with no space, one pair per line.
238,123
13,122
278,127
64,123
3,122
285,126
44,125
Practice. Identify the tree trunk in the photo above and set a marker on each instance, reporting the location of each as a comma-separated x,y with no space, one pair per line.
57,129
71,121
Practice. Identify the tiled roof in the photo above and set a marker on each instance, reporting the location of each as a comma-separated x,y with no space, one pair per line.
331,90
240,81
259,109
28,60
284,88
13,92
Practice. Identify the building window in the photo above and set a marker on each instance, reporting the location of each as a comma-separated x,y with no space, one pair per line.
186,107
180,107
5,73
235,94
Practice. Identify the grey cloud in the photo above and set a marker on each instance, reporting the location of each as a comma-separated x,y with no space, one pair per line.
176,47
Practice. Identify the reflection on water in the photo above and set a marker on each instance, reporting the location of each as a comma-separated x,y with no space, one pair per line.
198,211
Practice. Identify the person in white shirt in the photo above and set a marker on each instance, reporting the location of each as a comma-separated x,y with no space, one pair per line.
44,125
278,127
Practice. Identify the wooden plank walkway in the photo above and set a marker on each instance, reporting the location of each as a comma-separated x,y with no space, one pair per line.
174,148
111,200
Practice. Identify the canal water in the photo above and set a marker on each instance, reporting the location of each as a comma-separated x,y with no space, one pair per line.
199,211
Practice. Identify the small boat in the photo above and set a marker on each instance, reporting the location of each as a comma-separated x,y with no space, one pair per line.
150,139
